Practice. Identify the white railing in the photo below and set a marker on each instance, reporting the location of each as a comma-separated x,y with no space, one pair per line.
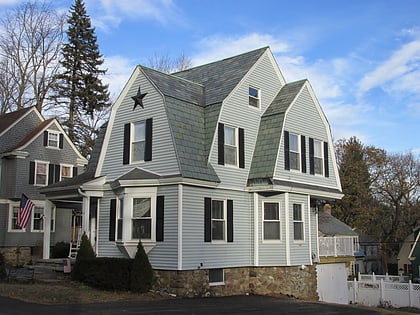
385,294
387,278
338,245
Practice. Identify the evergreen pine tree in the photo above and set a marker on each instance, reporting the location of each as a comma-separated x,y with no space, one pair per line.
85,249
141,271
80,89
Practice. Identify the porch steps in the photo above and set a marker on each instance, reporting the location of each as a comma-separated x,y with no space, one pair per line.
49,270
74,248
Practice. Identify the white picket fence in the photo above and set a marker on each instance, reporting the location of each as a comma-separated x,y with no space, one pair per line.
384,293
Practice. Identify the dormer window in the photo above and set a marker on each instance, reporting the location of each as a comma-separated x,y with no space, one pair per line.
254,97
318,158
231,146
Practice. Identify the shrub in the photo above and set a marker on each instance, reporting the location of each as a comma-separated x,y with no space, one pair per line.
85,249
103,273
60,250
141,272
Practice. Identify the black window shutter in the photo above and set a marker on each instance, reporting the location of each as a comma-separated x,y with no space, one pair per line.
286,151
56,173
31,172
75,170
126,148
160,204
221,144
327,170
45,138
241,148
303,153
207,219
230,220
51,174
112,218
61,141
148,144
311,157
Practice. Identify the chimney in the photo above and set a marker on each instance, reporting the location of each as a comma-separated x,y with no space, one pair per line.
327,208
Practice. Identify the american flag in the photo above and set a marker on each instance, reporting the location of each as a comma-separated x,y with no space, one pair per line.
25,210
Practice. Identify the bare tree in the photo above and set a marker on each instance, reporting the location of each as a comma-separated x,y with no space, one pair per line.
30,44
166,64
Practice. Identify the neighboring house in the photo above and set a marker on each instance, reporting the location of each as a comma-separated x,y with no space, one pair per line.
217,170
338,244
369,259
34,152
412,266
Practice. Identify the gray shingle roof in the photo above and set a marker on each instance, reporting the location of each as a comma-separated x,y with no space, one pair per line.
220,78
331,226
269,134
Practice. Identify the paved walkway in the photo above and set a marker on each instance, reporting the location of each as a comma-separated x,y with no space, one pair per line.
203,306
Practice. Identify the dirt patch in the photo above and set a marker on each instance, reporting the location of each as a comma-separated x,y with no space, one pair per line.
69,293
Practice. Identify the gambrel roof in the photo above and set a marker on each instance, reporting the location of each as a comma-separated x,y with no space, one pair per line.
270,132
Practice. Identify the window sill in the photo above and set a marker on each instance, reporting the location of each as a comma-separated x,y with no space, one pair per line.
129,248
214,284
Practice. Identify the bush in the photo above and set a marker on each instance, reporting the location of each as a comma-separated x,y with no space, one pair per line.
60,250
141,272
2,267
85,249
103,273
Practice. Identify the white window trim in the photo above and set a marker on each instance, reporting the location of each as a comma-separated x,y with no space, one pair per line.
280,240
10,224
236,129
302,221
257,98
319,157
58,139
224,241
61,170
128,195
132,133
298,152
46,175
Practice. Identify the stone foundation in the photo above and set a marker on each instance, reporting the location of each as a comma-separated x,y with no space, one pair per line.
292,281
16,256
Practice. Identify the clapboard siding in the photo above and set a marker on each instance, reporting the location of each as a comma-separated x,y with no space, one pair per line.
300,249
313,127
200,254
237,113
165,254
164,159
272,253
106,248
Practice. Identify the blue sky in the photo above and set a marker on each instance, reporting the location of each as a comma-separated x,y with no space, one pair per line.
361,57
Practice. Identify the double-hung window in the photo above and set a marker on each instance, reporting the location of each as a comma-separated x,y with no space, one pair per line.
41,173
38,219
14,216
294,153
66,171
271,219
141,219
218,220
254,97
138,141
318,157
53,139
298,222
120,219
231,146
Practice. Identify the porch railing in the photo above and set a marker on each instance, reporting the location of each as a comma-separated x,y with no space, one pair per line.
338,246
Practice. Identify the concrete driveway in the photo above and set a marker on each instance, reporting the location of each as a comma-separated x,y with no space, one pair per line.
201,306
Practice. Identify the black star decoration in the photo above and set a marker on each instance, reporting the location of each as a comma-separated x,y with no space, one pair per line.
138,99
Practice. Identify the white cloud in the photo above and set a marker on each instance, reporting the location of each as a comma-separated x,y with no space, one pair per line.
110,12
8,2
219,47
401,64
119,71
